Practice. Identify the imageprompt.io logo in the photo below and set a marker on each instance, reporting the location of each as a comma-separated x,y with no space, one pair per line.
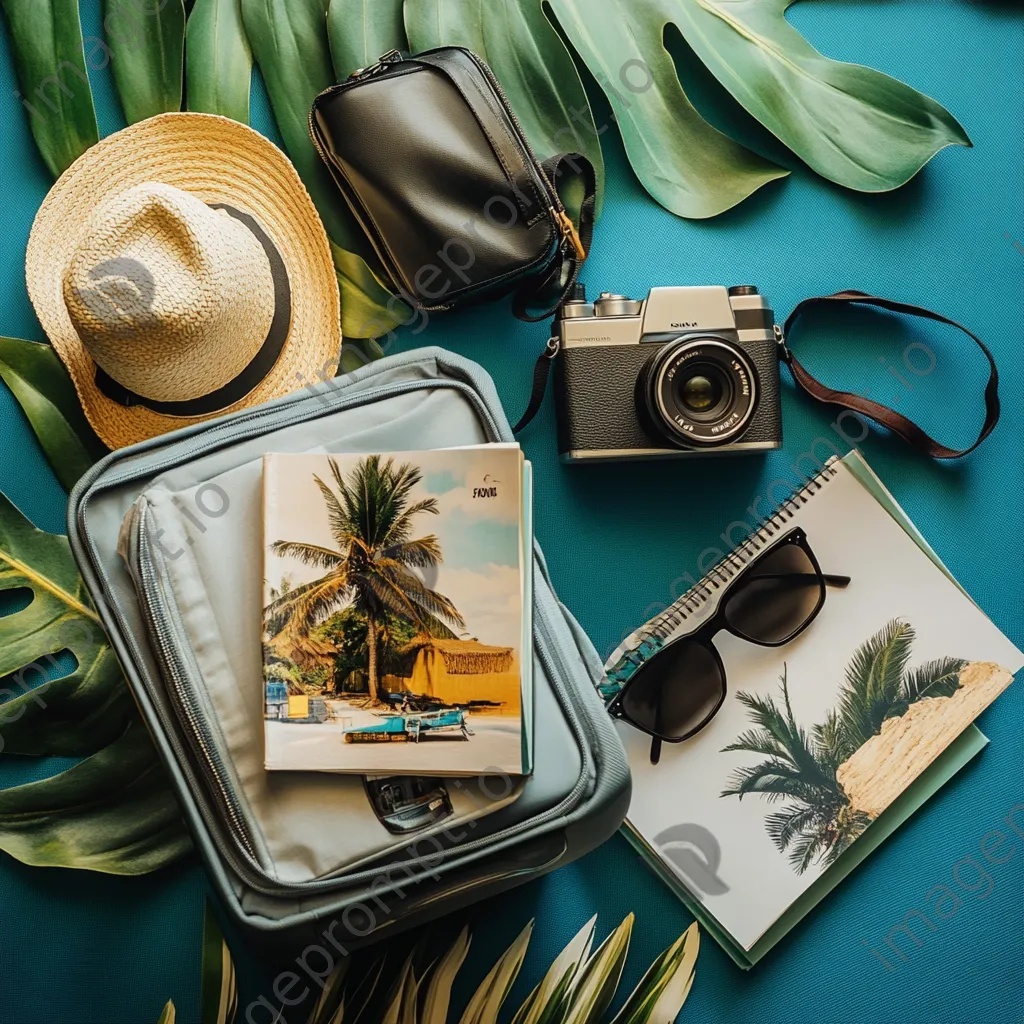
695,855
121,295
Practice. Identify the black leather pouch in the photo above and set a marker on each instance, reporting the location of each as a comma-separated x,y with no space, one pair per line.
437,170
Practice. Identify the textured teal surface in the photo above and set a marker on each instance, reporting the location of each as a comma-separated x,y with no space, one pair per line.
90,950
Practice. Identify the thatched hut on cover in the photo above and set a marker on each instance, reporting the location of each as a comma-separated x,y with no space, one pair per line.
304,650
457,672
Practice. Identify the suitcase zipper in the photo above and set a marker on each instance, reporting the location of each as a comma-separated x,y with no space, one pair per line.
190,714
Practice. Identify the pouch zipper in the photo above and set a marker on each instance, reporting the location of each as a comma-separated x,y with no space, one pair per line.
391,57
547,651
570,236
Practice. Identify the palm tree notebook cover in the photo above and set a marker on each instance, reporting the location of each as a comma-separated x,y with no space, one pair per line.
825,745
397,607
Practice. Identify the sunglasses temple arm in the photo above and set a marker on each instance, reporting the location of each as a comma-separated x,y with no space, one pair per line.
655,750
836,581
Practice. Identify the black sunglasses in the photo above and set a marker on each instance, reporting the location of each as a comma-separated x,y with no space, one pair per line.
772,600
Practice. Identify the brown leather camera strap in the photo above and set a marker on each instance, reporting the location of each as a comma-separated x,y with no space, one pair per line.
882,414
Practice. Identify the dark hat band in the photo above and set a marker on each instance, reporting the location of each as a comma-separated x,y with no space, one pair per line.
259,366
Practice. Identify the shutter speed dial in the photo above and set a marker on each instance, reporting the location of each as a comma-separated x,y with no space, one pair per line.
608,304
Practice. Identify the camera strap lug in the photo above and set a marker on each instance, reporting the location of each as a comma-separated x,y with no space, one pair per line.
780,340
541,371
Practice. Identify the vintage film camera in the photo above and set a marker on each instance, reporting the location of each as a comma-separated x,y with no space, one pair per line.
686,371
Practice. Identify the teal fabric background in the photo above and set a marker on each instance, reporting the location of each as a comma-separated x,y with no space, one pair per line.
76,947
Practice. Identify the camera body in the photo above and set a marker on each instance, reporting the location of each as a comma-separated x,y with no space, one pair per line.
686,371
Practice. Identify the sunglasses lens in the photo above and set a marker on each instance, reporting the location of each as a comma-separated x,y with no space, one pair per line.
675,692
778,594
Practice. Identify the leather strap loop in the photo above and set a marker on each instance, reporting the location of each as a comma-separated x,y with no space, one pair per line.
882,414
553,288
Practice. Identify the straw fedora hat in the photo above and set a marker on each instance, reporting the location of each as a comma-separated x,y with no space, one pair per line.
181,271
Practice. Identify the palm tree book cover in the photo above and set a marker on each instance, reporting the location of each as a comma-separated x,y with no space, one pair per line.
397,607
825,745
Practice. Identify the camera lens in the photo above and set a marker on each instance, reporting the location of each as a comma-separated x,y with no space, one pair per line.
697,392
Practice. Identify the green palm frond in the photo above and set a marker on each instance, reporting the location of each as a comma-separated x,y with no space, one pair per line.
308,605
764,712
550,1000
805,849
770,779
783,826
754,741
310,554
816,824
439,990
780,738
425,599
421,553
800,768
663,989
874,682
831,742
492,991
337,517
371,518
938,678
599,977
403,525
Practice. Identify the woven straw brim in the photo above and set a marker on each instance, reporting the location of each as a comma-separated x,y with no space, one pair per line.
218,160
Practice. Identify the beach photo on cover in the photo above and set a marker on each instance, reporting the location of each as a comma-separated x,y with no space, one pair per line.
393,612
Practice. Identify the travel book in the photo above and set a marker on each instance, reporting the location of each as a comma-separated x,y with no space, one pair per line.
397,620
825,745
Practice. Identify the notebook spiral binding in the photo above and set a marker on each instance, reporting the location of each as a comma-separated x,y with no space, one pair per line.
664,624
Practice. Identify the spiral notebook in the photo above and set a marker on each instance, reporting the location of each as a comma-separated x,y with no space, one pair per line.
824,746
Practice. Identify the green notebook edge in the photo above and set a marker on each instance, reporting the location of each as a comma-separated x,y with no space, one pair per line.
958,754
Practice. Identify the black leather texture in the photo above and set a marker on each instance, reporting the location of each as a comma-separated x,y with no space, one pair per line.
596,394
430,161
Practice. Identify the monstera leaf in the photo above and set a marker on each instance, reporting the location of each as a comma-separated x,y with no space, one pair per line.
219,66
41,385
851,124
687,165
49,58
147,53
114,811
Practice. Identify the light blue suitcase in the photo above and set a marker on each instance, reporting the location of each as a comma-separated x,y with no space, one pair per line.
167,535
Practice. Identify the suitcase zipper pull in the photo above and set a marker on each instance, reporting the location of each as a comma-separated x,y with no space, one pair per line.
569,232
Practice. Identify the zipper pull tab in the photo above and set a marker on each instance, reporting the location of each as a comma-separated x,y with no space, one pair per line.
391,57
569,232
